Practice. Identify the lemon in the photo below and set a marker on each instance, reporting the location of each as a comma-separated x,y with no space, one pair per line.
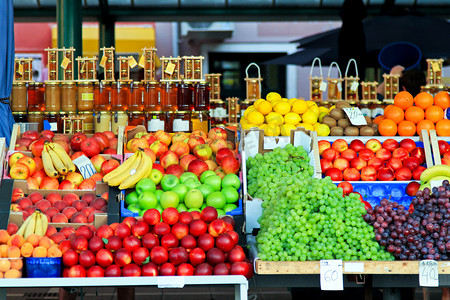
248,111
272,130
248,126
262,126
292,118
299,106
308,117
306,126
273,96
323,130
282,108
323,109
284,100
322,114
243,121
292,100
257,102
274,119
315,110
255,117
311,103
286,129
265,107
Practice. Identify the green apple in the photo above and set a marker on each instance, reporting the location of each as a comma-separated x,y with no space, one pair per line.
205,189
181,190
133,208
231,180
145,185
230,207
181,207
185,176
214,181
193,199
158,194
169,181
192,183
132,198
216,200
169,199
231,195
139,135
159,208
147,200
155,176
194,209
220,212
206,174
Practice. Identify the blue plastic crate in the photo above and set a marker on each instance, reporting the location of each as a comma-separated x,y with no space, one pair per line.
43,267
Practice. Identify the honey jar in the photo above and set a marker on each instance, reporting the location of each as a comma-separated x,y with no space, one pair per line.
52,96
85,96
180,122
120,96
88,121
54,120
186,97
36,93
169,96
136,118
137,97
118,118
20,117
36,117
152,96
102,121
68,97
102,95
19,97
201,96
200,121
218,112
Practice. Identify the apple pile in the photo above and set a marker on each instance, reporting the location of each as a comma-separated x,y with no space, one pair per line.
444,150
186,193
372,161
69,208
166,244
195,152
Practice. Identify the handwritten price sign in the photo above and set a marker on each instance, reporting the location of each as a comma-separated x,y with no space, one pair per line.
85,166
355,116
428,273
331,278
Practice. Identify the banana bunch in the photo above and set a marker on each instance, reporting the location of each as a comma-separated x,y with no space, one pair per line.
136,167
36,223
56,161
434,173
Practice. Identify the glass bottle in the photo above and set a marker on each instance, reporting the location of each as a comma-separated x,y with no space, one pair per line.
68,97
85,96
200,121
136,97
169,96
201,96
120,95
36,92
52,97
102,121
156,120
36,117
19,97
118,118
102,95
186,97
136,118
152,96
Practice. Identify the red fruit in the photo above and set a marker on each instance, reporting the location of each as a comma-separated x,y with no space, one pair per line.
390,144
131,270
205,242
197,227
95,244
95,271
167,269
169,241
159,255
149,241
236,254
366,154
114,243
180,230
70,258
208,214
385,174
113,271
170,215
161,229
122,230
418,152
131,243
408,144
188,242
185,270
197,256
444,147
87,258
376,162
104,258
357,145
140,255
178,256
349,154
347,187
79,243
325,165
203,269
412,188
335,174
151,216
76,271
150,269
217,227
185,217
140,229
221,269
401,153
394,164
234,236
225,242
403,174
330,154
341,163
215,256
85,231
130,221
411,163
195,215
122,257
417,172
240,268
104,231
351,174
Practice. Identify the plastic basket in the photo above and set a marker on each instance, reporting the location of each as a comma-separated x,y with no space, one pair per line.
43,267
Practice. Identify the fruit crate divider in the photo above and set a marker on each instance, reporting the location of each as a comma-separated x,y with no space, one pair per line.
435,147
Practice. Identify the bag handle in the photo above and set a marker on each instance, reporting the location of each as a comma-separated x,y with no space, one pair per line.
348,65
312,66
257,67
337,67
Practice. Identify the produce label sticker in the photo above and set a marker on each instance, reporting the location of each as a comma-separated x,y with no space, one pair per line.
170,68
85,166
354,86
339,86
65,63
132,62
103,61
20,69
142,61
355,116
180,125
435,183
171,282
323,86
155,125
87,96
428,273
331,278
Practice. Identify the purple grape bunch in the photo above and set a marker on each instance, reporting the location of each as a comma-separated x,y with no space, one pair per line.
422,232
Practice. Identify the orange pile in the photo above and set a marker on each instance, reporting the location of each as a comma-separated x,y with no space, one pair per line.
409,116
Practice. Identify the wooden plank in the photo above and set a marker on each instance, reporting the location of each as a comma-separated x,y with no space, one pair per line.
427,148
435,148
15,135
370,267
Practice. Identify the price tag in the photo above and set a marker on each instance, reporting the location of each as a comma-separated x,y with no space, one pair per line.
142,61
355,116
170,282
428,273
103,61
53,126
354,86
20,69
132,62
87,96
331,278
180,125
339,86
85,166
435,183
435,66
170,68
155,125
65,63
323,86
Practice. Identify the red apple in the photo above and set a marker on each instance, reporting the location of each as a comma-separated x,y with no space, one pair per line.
358,163
339,145
197,167
349,154
168,158
323,145
408,144
180,148
417,172
394,164
102,140
325,165
14,158
412,188
444,147
19,171
346,187
90,147
194,141
186,160
217,144
384,154
23,141
109,166
373,144
419,153
97,162
390,144
411,163
330,154
366,154
176,170
341,163
357,145
67,185
87,184
159,148
179,137
31,134
36,147
76,140
230,165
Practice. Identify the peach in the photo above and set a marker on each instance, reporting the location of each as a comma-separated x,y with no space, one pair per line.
17,240
43,205
4,236
60,205
39,163
14,252
99,203
16,264
13,273
70,198
60,218
24,202
5,265
50,230
40,252
87,210
67,231
64,246
34,239
54,251
26,250
69,211
88,198
4,250
57,238
51,211
79,204
78,218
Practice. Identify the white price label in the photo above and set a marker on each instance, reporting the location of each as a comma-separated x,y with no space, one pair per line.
155,125
355,116
180,125
53,126
435,183
85,166
354,86
323,86
428,273
339,86
171,282
331,278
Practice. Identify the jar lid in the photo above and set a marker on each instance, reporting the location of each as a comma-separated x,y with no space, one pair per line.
19,112
19,83
85,112
216,101
53,113
68,83
35,113
181,112
52,83
365,102
114,112
155,112
36,83
86,82
151,82
103,112
137,112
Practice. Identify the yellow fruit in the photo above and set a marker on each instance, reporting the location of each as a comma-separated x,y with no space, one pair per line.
323,109
274,119
331,108
262,126
273,96
272,130
265,107
257,102
256,118
322,114
292,100
311,103
306,126
308,117
299,107
323,130
248,111
286,129
315,110
248,126
282,108
284,100
243,121
292,118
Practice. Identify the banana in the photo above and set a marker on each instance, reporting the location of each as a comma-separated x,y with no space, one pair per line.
145,165
57,162
440,170
123,167
440,178
117,180
425,185
22,228
44,223
48,164
31,226
65,158
38,227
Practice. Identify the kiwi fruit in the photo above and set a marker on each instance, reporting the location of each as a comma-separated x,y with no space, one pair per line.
375,129
368,120
366,131
342,104
344,123
337,131
337,113
351,131
329,121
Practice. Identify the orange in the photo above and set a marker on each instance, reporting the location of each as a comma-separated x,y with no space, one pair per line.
394,113
387,108
414,114
378,119
425,124
387,127
423,100
442,99
434,113
443,127
406,128
403,100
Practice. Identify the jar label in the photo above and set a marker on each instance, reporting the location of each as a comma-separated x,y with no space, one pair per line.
180,125
87,96
155,125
